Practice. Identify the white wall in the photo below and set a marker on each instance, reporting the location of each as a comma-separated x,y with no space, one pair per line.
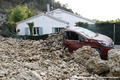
69,18
41,21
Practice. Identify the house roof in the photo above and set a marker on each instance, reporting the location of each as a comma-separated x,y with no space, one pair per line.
43,14
56,19
73,14
52,17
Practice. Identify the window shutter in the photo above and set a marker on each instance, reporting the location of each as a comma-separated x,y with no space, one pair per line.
40,30
53,30
26,31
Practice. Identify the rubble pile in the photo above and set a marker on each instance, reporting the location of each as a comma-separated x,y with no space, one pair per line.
37,60
47,60
114,61
97,66
82,55
90,58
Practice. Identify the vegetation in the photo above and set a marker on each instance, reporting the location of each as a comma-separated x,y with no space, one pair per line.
19,13
31,27
9,29
16,14
117,21
39,5
81,23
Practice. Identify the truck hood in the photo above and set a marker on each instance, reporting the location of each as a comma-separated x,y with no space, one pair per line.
103,38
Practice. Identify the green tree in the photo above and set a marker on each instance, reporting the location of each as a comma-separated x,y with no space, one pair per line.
117,21
79,23
16,14
9,29
31,27
19,13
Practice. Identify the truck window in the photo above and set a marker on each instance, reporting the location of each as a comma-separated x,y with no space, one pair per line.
71,35
81,38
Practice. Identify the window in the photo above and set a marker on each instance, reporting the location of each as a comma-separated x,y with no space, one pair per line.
72,35
86,32
36,31
55,30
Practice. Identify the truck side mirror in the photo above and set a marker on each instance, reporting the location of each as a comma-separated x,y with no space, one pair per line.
86,40
81,39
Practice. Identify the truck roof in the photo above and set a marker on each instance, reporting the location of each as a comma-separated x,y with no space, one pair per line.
83,31
72,28
75,28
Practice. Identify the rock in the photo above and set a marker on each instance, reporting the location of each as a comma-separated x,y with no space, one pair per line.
54,44
3,73
114,61
29,75
97,66
36,43
85,74
82,55
32,66
43,73
73,77
53,49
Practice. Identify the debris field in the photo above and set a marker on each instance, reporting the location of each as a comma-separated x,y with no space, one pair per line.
49,60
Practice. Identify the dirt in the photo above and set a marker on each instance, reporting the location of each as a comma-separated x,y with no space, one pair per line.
48,60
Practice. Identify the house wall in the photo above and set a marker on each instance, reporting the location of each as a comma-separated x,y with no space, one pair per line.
43,21
68,17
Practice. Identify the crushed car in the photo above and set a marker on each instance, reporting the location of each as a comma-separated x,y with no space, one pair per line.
77,37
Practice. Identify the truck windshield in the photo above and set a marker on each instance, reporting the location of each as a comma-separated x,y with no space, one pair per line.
85,32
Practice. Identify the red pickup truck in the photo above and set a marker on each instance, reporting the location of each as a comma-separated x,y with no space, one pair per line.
77,37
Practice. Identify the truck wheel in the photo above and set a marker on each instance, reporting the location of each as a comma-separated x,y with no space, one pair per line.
98,50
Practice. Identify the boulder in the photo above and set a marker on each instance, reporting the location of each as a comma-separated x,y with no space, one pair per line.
114,61
97,65
28,75
31,66
82,55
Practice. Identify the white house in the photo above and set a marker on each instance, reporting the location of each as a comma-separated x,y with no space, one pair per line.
50,22
69,17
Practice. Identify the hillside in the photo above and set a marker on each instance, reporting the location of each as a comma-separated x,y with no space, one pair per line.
39,5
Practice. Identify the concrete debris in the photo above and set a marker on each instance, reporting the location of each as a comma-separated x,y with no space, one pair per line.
97,66
28,75
90,58
82,55
48,60
114,61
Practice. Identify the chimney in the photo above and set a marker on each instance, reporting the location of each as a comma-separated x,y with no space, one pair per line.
48,8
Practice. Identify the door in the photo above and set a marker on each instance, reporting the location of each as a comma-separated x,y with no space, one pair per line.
72,41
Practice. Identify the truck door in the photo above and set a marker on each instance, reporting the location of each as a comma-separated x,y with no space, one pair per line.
71,41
